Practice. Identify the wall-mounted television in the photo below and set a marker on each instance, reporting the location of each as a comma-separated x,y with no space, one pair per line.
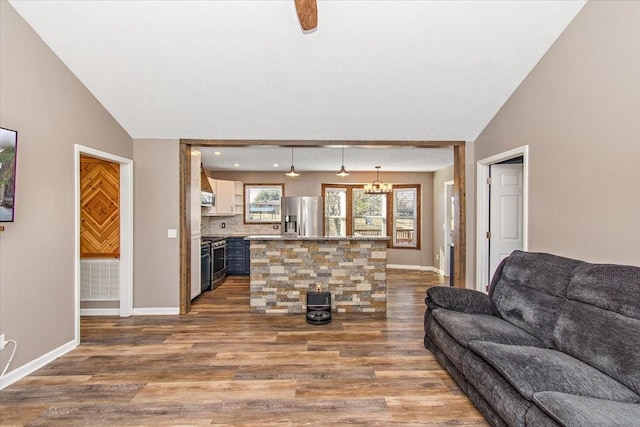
8,150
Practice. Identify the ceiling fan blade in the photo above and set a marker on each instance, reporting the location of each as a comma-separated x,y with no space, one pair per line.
307,13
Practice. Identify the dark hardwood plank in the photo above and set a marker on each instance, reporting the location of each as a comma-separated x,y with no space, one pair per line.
221,365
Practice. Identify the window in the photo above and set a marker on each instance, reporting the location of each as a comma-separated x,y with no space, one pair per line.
335,211
406,214
262,203
348,211
369,213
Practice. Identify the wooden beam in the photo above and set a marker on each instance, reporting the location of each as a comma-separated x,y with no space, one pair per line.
318,143
459,218
307,14
185,228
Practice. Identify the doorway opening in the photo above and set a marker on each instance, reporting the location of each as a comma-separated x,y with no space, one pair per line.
186,146
123,268
502,210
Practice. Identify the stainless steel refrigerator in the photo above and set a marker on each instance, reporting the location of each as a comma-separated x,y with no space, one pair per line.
302,216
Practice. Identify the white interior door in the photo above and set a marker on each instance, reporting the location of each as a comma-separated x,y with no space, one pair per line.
505,213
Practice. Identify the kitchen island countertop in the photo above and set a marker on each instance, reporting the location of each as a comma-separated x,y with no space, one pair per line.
315,238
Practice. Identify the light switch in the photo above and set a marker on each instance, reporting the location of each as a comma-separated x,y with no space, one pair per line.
172,233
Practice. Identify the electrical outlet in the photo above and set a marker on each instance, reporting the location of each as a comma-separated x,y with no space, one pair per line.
3,342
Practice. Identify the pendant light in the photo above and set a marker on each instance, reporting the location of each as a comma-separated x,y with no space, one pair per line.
343,171
377,186
292,172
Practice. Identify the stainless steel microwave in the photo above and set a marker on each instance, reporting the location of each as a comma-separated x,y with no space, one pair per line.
208,199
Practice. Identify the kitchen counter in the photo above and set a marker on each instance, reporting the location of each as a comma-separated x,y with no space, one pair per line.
223,236
284,269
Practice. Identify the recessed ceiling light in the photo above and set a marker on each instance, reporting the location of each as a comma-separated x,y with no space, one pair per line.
275,165
236,165
217,153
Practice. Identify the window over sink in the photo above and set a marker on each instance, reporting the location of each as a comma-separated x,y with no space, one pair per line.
262,203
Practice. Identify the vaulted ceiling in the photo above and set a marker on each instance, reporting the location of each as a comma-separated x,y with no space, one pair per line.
372,70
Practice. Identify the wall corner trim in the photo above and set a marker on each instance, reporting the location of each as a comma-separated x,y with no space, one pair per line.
34,365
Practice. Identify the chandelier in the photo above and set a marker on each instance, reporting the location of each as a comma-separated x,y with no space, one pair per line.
377,186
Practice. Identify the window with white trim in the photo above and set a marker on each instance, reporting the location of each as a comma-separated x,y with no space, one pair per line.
262,203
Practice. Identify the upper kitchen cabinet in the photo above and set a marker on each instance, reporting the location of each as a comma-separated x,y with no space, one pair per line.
224,196
228,201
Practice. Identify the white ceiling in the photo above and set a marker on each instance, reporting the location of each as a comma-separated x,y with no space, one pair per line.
317,159
373,70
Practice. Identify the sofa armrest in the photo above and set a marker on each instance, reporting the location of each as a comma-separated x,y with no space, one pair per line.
458,299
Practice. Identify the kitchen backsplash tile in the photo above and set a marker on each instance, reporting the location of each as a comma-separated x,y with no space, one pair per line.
234,225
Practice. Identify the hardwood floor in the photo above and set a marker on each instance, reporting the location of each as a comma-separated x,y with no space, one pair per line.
220,365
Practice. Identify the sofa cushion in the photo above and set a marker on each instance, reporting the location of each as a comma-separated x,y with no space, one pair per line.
536,417
465,327
506,402
531,289
495,420
600,322
531,369
574,411
452,349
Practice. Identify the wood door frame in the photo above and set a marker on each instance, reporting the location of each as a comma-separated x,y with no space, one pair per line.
482,210
126,231
185,210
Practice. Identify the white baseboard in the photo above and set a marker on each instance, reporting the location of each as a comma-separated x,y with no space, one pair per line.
415,267
99,312
143,311
34,365
156,311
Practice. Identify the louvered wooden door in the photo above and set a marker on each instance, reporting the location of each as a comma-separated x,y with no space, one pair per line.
100,208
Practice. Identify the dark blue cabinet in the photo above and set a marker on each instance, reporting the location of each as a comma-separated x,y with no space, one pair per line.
238,258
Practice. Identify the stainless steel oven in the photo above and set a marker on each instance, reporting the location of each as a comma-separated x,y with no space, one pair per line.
220,268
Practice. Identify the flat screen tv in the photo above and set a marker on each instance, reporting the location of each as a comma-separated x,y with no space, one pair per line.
8,150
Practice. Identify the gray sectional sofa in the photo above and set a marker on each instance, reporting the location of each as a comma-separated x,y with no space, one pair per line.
556,342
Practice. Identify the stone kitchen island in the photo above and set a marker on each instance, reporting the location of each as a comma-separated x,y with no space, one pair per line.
284,269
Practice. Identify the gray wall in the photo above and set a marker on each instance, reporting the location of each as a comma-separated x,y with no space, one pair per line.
156,262
310,184
578,110
52,111
440,252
